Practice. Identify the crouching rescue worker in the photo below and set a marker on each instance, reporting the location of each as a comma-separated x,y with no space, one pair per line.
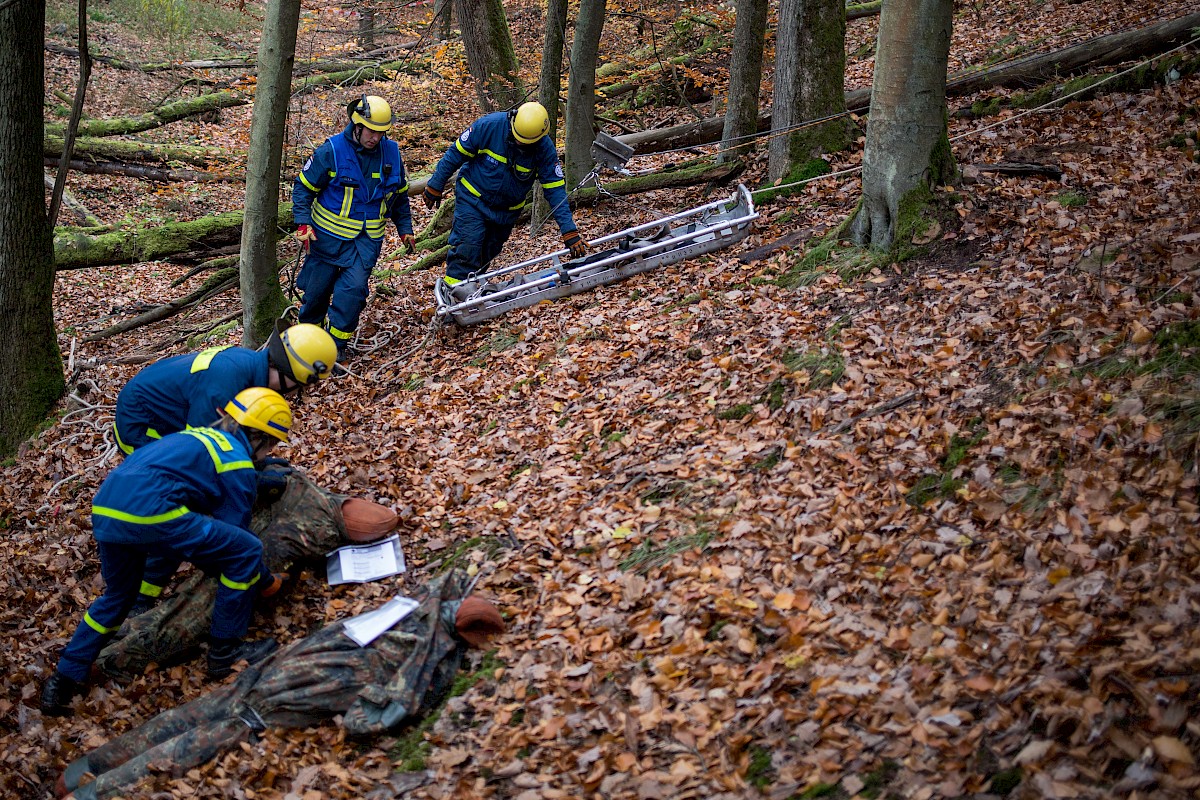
342,199
189,497
189,391
500,156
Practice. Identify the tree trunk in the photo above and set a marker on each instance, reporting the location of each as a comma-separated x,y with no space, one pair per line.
810,69
907,148
85,72
490,55
1098,52
30,361
581,91
366,29
745,78
549,87
262,298
443,19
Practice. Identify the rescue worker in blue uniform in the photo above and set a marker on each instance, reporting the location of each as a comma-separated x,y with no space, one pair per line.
189,391
348,189
188,497
498,159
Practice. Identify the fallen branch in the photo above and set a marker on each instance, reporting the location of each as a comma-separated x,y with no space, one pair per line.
883,408
222,281
81,211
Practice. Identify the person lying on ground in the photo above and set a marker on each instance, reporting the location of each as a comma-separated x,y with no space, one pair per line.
395,679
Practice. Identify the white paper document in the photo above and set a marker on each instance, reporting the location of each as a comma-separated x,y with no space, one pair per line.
366,628
359,563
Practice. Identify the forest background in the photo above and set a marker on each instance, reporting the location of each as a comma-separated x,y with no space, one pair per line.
792,520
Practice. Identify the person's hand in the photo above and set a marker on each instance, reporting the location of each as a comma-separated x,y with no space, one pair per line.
277,581
304,235
432,197
273,461
576,244
409,241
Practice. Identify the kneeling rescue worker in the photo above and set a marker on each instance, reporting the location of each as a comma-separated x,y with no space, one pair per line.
188,497
189,391
500,155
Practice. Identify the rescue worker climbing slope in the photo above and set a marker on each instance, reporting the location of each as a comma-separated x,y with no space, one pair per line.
190,390
187,496
500,156
342,198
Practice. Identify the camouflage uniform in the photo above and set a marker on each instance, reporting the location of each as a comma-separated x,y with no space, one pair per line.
303,524
398,676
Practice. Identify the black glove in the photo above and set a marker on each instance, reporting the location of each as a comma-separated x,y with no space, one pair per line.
272,482
575,244
432,197
273,461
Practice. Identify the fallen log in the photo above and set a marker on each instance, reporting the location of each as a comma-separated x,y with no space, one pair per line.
1097,52
863,10
146,173
121,150
156,118
76,250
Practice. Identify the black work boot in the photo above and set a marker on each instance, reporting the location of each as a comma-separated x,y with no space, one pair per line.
57,693
224,653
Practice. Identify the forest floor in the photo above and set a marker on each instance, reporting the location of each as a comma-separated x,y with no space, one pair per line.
926,531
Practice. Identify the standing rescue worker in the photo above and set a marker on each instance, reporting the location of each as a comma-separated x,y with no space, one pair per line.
348,189
187,497
189,391
500,156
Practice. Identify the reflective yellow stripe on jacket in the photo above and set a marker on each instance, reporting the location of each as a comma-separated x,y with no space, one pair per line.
213,439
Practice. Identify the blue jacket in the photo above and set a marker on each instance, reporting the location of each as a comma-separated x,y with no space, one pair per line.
500,171
189,390
203,471
355,190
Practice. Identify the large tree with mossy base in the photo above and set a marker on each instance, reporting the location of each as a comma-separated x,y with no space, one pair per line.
31,371
907,149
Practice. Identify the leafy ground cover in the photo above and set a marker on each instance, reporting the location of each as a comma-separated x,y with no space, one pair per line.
930,531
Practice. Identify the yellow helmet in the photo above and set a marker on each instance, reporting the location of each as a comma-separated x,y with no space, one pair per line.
263,410
530,122
304,352
372,111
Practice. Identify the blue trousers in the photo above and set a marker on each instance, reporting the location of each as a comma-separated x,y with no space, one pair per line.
476,237
214,546
335,281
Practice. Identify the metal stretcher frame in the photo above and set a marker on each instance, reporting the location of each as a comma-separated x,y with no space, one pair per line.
685,235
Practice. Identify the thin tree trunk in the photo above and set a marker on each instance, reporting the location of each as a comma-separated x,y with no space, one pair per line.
810,68
549,87
30,362
490,55
907,148
85,73
581,91
262,298
366,27
745,78
443,19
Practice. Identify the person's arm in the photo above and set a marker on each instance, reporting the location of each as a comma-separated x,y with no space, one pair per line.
554,185
400,210
456,155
